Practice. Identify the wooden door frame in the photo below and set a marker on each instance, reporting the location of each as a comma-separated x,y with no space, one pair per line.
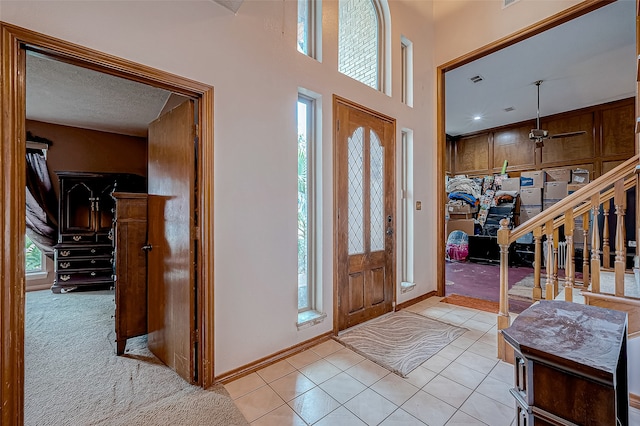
12,197
541,26
340,100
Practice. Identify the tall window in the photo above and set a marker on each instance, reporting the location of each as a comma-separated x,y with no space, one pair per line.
34,261
309,27
406,50
359,41
407,211
305,137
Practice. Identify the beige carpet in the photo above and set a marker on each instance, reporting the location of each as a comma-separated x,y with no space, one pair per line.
73,376
400,341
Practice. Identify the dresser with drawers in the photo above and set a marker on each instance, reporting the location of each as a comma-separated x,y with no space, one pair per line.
84,254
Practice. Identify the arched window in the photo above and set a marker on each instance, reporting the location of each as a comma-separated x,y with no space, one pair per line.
361,41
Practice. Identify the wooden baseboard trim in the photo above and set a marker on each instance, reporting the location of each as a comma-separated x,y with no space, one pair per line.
405,305
239,372
634,400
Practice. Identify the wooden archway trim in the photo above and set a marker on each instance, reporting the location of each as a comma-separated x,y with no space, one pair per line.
12,196
546,24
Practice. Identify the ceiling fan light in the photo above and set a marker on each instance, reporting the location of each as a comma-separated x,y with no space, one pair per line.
538,134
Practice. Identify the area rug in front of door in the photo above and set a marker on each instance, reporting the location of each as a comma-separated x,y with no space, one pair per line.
400,341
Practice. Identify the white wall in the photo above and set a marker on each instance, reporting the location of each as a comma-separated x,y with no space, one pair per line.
251,60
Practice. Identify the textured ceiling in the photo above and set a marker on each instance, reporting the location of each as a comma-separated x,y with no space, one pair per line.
587,61
65,94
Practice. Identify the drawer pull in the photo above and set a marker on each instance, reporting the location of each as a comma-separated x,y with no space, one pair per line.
77,237
93,261
65,265
65,277
65,253
93,251
93,274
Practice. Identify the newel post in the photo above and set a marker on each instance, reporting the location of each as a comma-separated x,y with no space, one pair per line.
503,316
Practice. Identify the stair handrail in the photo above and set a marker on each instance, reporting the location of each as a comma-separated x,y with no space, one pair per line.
580,196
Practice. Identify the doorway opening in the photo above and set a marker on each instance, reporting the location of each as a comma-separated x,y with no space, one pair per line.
18,41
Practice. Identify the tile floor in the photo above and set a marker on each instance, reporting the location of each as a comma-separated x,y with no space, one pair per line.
329,385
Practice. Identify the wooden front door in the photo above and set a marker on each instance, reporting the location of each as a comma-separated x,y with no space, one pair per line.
171,269
364,173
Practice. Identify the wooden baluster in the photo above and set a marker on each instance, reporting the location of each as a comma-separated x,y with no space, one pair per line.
550,292
595,245
556,241
585,250
620,261
569,274
606,250
537,263
503,316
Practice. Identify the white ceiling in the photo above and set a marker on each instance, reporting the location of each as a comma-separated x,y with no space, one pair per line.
587,61
69,95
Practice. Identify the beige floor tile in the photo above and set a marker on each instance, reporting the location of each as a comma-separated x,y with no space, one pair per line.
395,389
342,387
477,362
258,403
462,342
450,352
452,318
484,349
496,390
504,372
275,371
434,312
292,385
429,409
244,385
463,375
344,358
320,371
313,405
487,317
464,312
327,348
477,325
488,410
420,376
303,358
463,419
370,407
340,417
436,363
281,416
473,334
401,418
447,390
367,372
489,339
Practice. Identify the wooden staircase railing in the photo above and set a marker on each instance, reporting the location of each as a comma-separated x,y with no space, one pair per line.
584,203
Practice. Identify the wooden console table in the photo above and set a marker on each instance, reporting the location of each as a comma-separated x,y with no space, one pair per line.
570,365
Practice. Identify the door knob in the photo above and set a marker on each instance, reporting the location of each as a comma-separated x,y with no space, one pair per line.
147,247
389,231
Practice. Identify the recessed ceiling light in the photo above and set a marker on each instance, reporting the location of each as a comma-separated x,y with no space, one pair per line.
477,117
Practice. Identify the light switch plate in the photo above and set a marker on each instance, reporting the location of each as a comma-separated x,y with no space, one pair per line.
418,205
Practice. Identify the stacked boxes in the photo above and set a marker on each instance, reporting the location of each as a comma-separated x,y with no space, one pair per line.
554,192
531,185
558,175
510,184
534,179
580,176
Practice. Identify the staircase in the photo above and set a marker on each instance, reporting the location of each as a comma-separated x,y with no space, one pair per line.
598,247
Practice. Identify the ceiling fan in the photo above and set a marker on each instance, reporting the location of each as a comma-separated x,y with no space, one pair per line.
539,135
